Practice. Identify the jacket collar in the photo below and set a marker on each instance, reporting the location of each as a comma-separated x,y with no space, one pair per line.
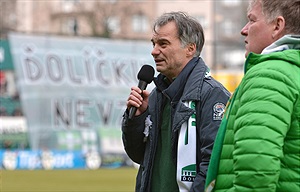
173,90
284,43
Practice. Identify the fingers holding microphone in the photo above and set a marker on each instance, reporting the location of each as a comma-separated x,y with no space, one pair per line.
138,99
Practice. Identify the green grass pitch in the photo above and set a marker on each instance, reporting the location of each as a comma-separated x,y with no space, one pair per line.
100,180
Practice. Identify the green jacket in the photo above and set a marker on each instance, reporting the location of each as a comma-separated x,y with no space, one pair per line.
261,134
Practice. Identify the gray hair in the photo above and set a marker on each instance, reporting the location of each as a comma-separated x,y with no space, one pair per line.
189,29
288,9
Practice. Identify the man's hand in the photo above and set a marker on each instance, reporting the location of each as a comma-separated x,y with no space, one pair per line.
138,99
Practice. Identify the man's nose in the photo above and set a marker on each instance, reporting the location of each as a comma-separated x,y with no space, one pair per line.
244,30
155,50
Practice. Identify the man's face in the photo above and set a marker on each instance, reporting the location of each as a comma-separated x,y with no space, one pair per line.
169,55
257,32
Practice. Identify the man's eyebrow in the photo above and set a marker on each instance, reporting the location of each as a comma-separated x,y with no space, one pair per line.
159,40
251,15
162,40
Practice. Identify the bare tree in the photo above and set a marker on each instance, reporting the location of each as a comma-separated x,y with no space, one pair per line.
105,11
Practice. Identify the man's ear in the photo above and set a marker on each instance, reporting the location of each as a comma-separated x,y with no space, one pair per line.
191,49
279,27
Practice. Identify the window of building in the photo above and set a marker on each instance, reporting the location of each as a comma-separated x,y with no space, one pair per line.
68,5
139,23
202,20
229,28
70,26
112,1
114,25
231,2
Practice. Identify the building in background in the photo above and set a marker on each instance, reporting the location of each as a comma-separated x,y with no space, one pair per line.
230,17
132,19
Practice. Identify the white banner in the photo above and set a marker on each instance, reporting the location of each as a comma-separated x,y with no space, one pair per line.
12,125
74,90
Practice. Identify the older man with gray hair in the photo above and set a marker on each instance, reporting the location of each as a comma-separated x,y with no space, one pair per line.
258,144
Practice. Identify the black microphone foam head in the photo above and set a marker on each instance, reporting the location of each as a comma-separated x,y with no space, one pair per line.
146,73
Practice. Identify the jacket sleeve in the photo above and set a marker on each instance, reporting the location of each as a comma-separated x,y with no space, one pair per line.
263,119
133,136
211,109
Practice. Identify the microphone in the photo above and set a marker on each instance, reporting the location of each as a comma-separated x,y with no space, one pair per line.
145,76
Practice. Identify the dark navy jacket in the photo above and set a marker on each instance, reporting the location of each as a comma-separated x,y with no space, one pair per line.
192,84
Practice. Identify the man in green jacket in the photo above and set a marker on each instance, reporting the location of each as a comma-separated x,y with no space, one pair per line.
257,147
